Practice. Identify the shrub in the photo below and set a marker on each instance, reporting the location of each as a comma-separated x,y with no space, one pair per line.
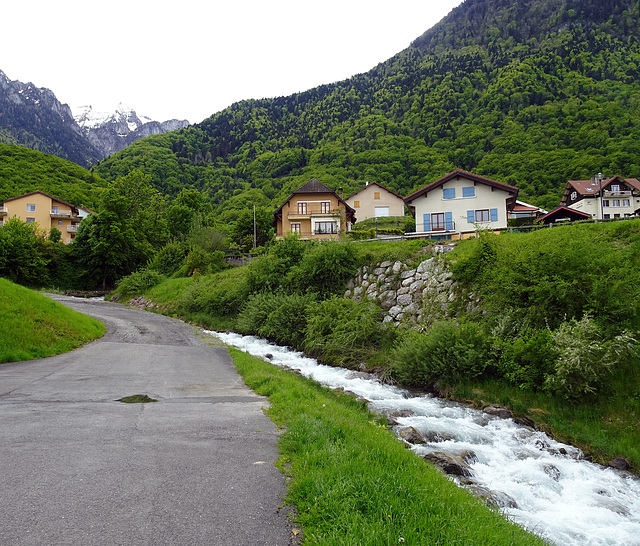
325,269
527,359
169,259
137,283
219,295
343,332
584,358
269,271
447,352
287,323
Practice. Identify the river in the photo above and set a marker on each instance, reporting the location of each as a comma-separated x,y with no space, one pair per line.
543,485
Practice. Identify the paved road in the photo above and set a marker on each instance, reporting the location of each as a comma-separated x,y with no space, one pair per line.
79,468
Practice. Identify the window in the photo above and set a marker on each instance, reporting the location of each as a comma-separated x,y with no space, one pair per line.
482,215
605,202
616,202
607,216
469,191
326,227
437,221
302,208
615,187
59,222
448,193
295,228
376,195
626,203
616,216
574,195
381,211
30,220
325,207
54,210
31,207
356,204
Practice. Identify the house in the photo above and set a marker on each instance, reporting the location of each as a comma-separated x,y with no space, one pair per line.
375,201
603,198
563,214
314,212
459,204
522,210
45,210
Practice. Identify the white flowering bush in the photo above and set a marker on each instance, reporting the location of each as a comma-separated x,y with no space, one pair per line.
584,358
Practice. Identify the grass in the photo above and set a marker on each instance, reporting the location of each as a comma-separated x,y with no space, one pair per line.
603,428
34,326
354,483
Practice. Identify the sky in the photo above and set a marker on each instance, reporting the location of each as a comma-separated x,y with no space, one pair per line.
188,59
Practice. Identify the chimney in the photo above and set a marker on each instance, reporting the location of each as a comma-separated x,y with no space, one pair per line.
366,183
340,193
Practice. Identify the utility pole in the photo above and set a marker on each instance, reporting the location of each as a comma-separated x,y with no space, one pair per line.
254,227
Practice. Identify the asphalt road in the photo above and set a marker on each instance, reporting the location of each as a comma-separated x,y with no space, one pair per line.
78,467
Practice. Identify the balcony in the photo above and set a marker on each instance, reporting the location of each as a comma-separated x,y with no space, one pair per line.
3,210
313,212
73,228
616,194
55,213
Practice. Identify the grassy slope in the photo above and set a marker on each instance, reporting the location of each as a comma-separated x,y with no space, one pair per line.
354,483
34,326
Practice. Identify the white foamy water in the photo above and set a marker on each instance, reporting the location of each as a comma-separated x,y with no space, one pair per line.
558,495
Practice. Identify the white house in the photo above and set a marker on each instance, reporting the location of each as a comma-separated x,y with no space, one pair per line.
603,198
459,204
375,201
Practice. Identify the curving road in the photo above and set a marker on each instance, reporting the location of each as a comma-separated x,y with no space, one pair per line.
78,467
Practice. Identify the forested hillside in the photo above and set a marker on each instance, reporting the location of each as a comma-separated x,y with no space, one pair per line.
530,93
23,171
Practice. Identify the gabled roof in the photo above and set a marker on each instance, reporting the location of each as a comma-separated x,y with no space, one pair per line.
563,212
592,187
41,193
469,176
314,186
370,184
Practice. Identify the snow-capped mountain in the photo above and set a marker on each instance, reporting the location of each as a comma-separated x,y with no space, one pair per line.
33,117
110,132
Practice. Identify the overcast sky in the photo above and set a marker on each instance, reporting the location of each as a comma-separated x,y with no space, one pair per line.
188,59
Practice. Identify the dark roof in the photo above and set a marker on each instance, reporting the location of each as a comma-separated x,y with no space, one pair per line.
593,187
470,176
369,184
314,186
41,193
561,213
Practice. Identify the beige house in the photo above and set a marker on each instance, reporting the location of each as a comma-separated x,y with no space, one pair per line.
375,201
459,204
314,211
45,210
603,198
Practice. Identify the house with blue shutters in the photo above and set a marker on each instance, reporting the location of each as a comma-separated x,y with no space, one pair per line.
459,204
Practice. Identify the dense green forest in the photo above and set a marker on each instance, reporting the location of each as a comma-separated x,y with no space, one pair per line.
23,170
531,93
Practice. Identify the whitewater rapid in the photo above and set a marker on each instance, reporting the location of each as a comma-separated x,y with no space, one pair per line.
547,487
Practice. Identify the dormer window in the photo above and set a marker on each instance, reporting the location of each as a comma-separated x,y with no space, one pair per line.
574,195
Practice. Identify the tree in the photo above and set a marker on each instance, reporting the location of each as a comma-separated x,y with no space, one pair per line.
20,261
244,228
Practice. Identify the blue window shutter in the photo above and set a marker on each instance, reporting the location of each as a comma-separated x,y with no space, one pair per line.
448,193
448,221
426,218
471,216
469,191
493,215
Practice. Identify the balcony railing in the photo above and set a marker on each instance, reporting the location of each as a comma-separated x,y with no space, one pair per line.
315,211
72,228
62,214
3,210
617,194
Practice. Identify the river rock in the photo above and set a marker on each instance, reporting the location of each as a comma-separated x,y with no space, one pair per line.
503,413
493,498
450,464
619,463
411,435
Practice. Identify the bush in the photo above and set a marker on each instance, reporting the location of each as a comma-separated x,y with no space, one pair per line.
219,295
287,323
169,259
269,271
584,359
136,283
325,269
343,332
447,352
526,360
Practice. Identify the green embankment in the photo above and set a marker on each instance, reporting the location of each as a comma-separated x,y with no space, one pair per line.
34,326
354,483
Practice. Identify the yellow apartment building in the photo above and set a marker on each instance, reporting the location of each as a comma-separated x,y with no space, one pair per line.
45,210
